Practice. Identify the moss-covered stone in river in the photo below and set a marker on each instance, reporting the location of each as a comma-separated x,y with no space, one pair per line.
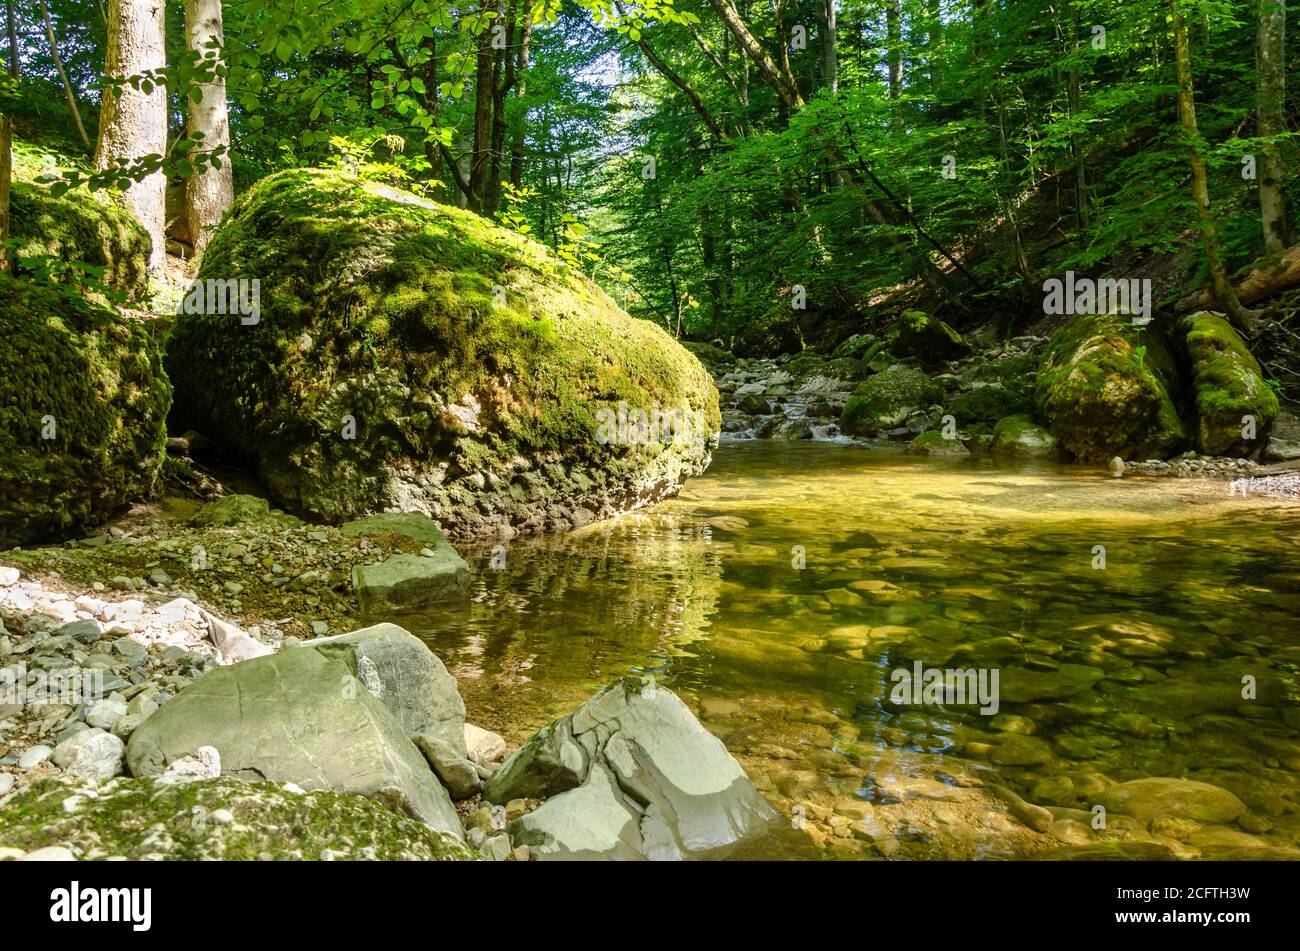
1019,435
887,399
1229,388
932,442
415,356
987,404
1108,389
215,819
83,401
928,338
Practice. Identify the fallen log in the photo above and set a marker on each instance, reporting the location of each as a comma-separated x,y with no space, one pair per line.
1264,280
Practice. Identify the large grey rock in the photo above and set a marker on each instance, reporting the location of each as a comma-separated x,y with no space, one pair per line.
630,774
407,581
456,772
298,716
594,821
399,669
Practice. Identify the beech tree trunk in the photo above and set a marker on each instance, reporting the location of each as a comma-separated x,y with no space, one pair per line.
1240,318
133,124
830,54
484,94
1270,120
209,195
6,139
521,89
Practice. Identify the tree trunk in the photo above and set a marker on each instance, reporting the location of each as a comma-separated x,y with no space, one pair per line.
521,88
63,76
133,124
1240,318
894,46
786,90
830,55
6,140
1270,120
934,31
207,196
484,93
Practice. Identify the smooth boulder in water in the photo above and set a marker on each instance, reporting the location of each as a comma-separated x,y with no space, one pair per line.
410,356
631,774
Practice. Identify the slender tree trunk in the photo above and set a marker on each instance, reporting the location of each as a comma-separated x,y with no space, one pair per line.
1240,318
484,94
1270,120
6,140
1082,211
830,54
207,196
133,124
934,33
786,91
894,44
521,89
63,76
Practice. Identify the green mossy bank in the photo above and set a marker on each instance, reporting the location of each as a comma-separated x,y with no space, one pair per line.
83,403
413,356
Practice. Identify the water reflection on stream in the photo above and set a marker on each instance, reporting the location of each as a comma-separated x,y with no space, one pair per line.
1107,674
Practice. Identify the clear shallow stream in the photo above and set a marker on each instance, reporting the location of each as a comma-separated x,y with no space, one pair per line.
1107,674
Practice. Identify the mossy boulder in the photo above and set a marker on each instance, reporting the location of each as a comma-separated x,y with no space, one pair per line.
932,442
887,399
928,338
985,405
215,819
414,356
1108,389
79,226
855,347
1021,436
1229,387
83,402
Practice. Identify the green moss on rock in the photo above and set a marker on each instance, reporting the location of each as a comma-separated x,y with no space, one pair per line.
928,338
471,362
1020,436
932,442
1229,387
83,401
79,226
987,404
887,399
1108,389
217,819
